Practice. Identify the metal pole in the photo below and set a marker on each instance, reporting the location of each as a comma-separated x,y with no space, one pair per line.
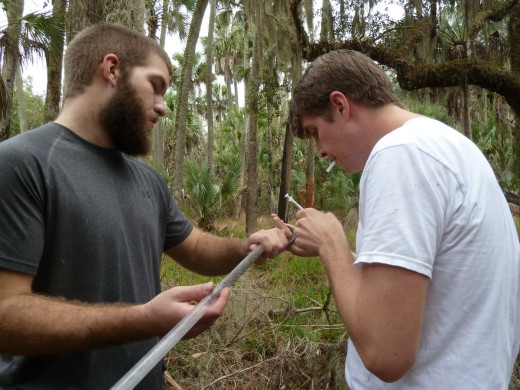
154,356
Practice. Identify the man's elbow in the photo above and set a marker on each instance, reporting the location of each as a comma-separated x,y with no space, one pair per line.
389,368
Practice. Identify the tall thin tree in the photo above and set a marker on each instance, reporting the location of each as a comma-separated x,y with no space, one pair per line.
54,59
183,95
253,106
209,85
11,60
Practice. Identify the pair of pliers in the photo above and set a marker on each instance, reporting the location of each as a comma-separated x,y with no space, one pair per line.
293,237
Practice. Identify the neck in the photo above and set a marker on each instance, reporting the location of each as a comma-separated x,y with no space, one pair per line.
372,124
386,119
81,116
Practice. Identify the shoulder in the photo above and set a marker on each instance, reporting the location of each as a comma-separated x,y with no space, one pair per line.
419,131
147,173
143,167
430,140
32,142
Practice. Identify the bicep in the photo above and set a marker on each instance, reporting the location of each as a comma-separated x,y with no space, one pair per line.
185,252
14,283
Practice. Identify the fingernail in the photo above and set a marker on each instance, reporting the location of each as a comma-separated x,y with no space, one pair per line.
208,287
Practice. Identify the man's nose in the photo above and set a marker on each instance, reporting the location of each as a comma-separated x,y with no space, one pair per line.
319,149
160,107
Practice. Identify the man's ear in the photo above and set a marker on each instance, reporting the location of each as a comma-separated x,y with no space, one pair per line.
110,68
340,103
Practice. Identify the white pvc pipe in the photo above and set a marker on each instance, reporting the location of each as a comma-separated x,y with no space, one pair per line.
154,356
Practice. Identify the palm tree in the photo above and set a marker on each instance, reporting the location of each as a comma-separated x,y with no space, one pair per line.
11,40
219,102
253,107
54,59
228,49
171,19
183,93
202,194
209,84
25,36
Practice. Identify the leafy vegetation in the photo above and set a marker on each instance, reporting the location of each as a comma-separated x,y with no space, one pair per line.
280,330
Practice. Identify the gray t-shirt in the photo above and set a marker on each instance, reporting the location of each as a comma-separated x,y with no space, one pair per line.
90,224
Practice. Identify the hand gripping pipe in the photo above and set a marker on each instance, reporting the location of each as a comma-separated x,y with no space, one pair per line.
154,356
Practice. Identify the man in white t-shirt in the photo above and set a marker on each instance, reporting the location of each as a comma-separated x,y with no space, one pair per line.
432,300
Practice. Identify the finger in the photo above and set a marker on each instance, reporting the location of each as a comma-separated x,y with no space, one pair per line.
211,315
193,293
221,302
280,224
286,228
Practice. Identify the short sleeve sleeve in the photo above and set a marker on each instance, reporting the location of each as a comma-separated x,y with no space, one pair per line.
403,197
178,227
22,212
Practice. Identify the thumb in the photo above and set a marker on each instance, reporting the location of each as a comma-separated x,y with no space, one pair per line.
193,293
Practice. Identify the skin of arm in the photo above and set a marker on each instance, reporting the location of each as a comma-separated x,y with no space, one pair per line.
381,306
33,324
208,254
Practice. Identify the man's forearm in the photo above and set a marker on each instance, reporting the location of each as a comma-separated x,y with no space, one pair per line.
220,255
32,324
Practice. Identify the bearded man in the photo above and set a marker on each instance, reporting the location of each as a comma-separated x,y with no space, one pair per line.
84,226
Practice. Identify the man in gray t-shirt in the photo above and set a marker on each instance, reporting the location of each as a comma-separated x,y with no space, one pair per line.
83,227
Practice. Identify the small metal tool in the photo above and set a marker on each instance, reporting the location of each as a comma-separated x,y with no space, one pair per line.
291,199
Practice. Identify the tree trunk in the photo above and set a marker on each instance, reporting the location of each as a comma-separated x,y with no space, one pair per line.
82,14
253,109
54,59
85,13
127,12
270,141
209,85
158,132
245,132
327,25
285,174
235,87
183,96
466,119
21,101
514,50
11,61
228,79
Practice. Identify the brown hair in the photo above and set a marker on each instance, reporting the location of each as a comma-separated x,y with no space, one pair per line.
350,72
88,48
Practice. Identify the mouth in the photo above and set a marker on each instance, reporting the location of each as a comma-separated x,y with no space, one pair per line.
153,122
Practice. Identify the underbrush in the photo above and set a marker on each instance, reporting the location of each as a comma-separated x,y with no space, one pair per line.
280,330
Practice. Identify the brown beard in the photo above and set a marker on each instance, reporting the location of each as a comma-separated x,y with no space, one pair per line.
124,120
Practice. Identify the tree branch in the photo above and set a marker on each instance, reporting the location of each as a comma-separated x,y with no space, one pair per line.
412,76
492,14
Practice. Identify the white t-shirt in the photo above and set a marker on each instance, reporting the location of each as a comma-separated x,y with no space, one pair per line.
429,202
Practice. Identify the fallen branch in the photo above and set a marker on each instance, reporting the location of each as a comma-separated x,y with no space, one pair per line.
238,372
171,381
